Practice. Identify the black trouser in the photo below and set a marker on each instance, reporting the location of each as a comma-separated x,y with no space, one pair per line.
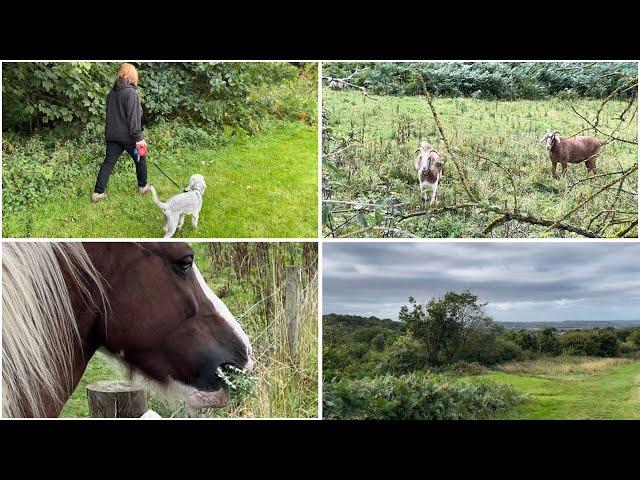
114,150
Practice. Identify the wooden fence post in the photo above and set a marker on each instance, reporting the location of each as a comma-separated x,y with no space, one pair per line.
116,399
293,279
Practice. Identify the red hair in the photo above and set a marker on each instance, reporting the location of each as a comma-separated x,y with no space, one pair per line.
128,73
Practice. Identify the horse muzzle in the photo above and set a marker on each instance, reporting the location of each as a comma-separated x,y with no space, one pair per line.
251,364
215,399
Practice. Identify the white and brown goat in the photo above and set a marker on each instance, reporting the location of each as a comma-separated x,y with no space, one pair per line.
574,149
430,168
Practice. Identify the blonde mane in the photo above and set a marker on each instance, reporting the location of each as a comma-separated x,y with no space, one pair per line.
39,329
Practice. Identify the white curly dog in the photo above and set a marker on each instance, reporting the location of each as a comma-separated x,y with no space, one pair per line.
188,202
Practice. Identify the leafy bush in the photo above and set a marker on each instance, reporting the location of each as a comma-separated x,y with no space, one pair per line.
407,354
215,94
488,349
594,342
489,80
634,337
415,397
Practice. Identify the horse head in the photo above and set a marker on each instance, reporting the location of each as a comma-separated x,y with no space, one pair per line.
165,321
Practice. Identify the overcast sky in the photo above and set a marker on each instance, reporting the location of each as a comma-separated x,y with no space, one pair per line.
521,281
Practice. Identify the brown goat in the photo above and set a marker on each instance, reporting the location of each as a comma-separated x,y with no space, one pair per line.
576,149
430,168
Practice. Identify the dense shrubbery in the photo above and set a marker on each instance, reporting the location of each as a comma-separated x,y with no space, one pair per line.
595,342
489,80
416,396
451,333
541,342
65,95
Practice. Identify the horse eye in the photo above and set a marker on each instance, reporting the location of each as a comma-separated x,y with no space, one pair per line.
184,264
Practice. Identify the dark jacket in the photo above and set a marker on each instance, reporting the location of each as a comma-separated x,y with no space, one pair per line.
124,113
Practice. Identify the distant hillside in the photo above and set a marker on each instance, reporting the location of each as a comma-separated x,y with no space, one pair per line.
571,324
354,322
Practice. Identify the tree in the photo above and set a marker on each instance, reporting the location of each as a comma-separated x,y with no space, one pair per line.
547,342
444,324
634,337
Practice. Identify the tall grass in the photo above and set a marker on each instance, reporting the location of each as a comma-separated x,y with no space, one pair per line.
562,365
495,142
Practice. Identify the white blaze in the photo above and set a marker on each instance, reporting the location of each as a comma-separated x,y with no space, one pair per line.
223,311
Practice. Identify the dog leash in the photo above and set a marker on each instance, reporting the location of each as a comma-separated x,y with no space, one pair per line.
162,172
145,153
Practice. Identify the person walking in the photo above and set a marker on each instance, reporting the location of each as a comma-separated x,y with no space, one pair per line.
123,131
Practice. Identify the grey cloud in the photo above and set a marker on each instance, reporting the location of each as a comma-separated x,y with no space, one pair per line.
521,281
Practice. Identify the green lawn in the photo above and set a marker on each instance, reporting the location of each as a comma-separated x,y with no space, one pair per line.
263,186
562,393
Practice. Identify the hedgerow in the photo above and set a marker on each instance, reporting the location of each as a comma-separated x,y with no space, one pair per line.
488,80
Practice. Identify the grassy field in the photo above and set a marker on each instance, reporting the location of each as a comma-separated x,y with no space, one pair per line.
569,388
285,387
495,142
261,186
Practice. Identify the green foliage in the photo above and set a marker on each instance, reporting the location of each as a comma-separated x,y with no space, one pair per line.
485,348
414,397
446,324
407,354
356,346
488,80
594,342
547,342
543,341
215,94
634,337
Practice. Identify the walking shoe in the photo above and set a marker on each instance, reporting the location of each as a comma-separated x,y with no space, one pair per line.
96,197
144,189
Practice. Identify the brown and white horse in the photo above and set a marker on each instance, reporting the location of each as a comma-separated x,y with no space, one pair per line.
145,303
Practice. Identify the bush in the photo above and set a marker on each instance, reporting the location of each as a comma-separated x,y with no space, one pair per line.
489,80
596,343
237,94
415,397
405,355
634,337
487,349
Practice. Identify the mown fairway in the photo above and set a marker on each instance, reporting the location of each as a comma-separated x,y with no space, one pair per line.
495,142
262,186
573,388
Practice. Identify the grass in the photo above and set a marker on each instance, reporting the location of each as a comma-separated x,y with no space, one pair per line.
285,387
261,186
97,369
384,133
569,388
